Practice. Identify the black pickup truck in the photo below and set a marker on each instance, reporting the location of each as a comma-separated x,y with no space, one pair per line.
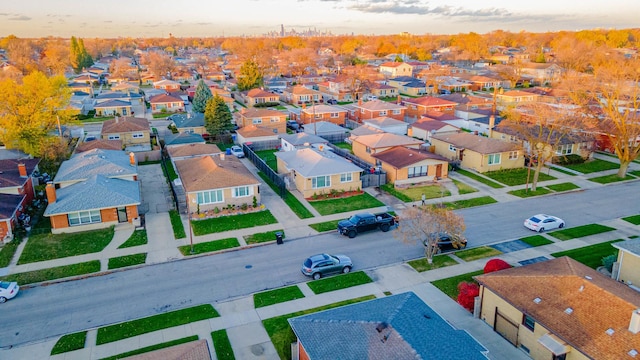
364,222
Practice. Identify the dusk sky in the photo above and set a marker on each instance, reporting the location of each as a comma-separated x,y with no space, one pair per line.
159,18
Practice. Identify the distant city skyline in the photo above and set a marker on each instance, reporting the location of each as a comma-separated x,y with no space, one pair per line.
159,18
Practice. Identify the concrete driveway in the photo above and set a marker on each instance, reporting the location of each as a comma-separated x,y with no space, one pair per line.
156,194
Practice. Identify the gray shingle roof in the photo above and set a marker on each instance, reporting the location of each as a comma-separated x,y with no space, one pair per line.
309,162
413,331
302,138
632,246
187,120
97,192
110,163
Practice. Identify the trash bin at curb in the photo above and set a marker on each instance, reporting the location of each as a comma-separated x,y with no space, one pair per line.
279,238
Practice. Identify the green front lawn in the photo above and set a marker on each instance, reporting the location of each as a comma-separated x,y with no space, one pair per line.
161,115
592,166
607,179
44,247
344,145
151,348
351,203
176,224
170,171
221,345
477,253
139,237
479,178
590,255
479,201
127,260
635,220
421,265
36,276
464,188
325,226
580,231
233,222
263,237
536,240
7,251
339,282
513,177
563,187
281,334
525,193
294,204
415,193
70,342
209,246
167,320
277,296
449,286
555,168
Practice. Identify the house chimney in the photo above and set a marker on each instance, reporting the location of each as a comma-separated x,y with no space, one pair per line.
634,324
359,102
51,192
492,124
132,159
116,119
22,170
399,101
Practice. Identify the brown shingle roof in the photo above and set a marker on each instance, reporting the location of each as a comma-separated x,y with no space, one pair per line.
192,150
254,131
430,101
125,124
213,172
477,143
376,105
598,302
164,98
254,93
400,157
428,124
382,140
99,144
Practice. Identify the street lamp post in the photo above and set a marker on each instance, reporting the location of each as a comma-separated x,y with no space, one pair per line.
190,232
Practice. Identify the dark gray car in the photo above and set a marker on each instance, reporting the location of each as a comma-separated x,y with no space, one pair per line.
319,265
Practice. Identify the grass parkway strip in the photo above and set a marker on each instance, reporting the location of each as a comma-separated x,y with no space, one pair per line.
149,324
339,282
232,222
277,296
580,231
590,255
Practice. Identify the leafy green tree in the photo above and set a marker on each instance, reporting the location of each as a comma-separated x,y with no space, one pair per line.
30,111
217,117
250,76
201,97
80,58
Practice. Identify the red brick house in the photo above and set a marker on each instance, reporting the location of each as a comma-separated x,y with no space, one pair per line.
16,192
420,106
378,108
329,113
259,96
167,103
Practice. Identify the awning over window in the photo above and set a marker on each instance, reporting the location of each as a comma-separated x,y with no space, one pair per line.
554,344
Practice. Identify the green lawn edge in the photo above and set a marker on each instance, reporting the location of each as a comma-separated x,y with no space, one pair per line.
276,296
69,342
342,281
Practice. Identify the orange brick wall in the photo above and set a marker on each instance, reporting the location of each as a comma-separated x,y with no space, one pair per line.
308,118
108,215
132,212
59,221
4,229
303,354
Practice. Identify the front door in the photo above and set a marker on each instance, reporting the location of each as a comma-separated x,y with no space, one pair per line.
122,215
438,171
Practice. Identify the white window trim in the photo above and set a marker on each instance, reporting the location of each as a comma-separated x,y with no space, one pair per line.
210,202
114,137
493,156
452,148
94,217
346,177
327,183
248,188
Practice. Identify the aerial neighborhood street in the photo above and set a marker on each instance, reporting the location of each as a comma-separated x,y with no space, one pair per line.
310,196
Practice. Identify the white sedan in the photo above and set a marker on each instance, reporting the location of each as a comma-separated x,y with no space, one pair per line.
8,290
237,151
542,222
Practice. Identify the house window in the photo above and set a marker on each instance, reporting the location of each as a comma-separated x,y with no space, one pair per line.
114,137
368,150
318,116
242,191
565,149
396,112
257,121
362,111
321,182
494,159
275,119
452,148
84,217
210,197
346,177
513,155
137,135
417,171
383,112
335,115
528,322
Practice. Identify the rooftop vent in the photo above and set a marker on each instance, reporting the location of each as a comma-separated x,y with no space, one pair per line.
381,326
588,277
633,352
581,288
568,311
610,331
537,300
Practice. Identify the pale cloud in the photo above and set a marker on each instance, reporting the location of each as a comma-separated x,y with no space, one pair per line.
20,18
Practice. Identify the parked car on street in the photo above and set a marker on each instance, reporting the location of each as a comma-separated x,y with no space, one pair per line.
542,222
8,290
332,102
448,242
319,265
237,151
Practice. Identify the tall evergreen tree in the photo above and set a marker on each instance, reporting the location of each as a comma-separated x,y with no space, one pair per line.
201,97
85,58
80,58
217,117
250,76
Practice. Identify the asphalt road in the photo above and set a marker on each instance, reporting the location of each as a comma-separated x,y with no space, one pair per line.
46,311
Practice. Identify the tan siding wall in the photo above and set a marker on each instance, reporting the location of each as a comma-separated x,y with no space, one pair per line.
228,200
305,185
629,268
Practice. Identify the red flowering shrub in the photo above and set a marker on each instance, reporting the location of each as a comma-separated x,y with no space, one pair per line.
495,265
467,291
